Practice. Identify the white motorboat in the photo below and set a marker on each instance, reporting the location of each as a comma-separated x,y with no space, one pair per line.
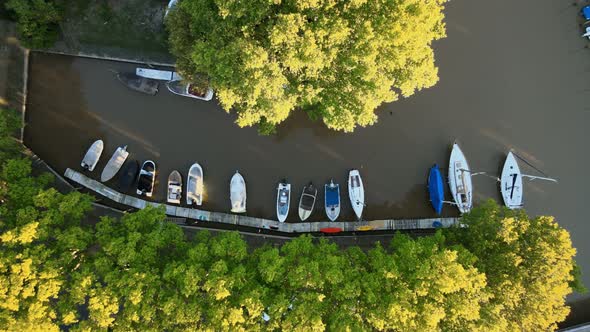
174,188
189,90
283,200
237,193
356,192
92,155
114,164
307,201
194,186
511,183
146,179
332,200
460,179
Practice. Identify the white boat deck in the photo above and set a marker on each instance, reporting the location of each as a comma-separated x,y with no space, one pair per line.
300,227
163,75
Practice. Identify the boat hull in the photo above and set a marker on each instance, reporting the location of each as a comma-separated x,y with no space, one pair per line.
283,201
128,175
436,189
237,193
146,179
138,83
307,201
511,183
174,188
182,89
194,186
460,180
356,192
114,164
92,155
332,200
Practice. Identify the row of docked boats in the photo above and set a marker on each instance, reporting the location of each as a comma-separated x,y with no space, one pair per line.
146,80
144,178
332,204
461,185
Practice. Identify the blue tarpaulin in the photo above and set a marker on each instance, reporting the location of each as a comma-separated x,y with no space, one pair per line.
331,196
586,12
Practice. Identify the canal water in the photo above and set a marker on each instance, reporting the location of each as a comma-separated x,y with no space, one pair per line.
512,77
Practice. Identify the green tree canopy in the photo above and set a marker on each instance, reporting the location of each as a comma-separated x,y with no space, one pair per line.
37,21
338,60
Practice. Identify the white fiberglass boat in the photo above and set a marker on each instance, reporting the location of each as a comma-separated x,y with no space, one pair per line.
92,155
283,200
460,180
114,164
189,90
511,183
356,192
194,186
237,193
307,201
174,187
146,179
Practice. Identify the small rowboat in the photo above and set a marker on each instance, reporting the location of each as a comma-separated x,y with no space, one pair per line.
307,201
332,200
356,192
146,179
174,188
283,200
128,174
436,189
138,83
114,164
189,90
194,187
460,179
331,230
511,183
237,193
92,155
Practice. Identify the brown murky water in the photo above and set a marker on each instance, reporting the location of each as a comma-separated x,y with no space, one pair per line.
513,74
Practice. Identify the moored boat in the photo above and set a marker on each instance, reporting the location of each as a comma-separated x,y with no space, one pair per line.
460,180
283,200
180,88
307,201
194,186
174,188
511,183
114,164
436,189
237,193
138,83
332,200
92,155
356,192
146,179
128,174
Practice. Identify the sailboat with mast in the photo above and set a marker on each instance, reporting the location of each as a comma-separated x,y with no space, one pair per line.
511,182
460,179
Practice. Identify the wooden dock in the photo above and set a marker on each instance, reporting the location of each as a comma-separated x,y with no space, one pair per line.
243,220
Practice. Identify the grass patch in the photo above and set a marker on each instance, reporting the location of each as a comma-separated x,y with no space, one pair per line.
136,25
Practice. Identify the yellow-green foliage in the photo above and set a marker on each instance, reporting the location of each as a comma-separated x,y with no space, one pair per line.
340,58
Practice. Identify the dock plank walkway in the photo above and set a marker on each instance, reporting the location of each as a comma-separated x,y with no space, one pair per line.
243,220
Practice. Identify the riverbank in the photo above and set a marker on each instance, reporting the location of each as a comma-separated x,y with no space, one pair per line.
124,29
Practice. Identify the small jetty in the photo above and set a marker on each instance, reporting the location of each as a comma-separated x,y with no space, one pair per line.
241,220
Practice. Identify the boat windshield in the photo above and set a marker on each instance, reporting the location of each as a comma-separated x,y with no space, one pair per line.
307,202
283,197
354,181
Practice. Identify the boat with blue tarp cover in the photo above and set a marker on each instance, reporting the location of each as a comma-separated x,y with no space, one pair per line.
332,200
436,189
